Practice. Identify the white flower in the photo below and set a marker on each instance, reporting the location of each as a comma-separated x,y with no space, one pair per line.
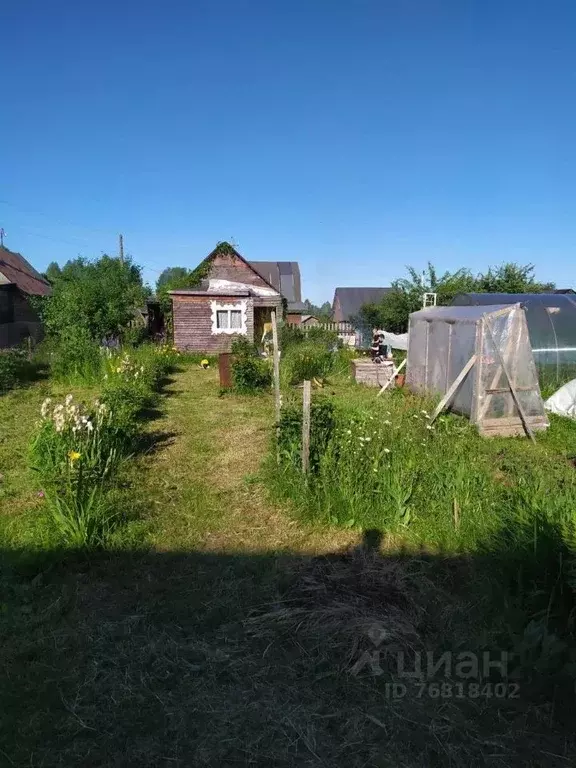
89,426
415,416
425,413
348,431
388,413
367,439
69,399
45,406
429,426
387,422
386,450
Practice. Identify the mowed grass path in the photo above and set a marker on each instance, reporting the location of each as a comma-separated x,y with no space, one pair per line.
202,483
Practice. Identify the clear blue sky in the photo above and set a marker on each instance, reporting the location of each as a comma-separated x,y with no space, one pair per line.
355,136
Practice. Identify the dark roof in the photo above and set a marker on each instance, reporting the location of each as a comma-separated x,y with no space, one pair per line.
18,271
186,292
284,276
564,290
353,299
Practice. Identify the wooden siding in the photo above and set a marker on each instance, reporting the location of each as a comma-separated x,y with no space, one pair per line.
228,267
24,322
193,323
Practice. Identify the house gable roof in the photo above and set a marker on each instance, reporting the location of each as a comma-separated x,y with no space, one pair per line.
284,276
226,249
351,300
16,270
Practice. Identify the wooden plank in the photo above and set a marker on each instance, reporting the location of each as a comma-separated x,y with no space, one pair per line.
395,372
306,403
277,399
511,385
453,389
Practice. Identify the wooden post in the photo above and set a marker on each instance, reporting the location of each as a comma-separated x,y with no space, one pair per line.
511,385
306,402
395,372
453,389
277,400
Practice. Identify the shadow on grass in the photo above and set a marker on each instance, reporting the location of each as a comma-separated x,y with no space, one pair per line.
276,659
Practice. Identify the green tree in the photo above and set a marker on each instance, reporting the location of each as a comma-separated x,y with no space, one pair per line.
53,272
393,312
171,276
93,298
511,278
323,312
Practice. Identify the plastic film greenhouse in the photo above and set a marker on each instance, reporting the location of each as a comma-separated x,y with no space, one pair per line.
551,319
480,360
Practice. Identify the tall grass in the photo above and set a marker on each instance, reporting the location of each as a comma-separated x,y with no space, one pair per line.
439,487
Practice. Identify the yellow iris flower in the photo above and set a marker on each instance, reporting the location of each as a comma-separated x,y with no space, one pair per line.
74,456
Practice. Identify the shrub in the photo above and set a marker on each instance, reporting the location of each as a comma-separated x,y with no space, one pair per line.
250,373
75,357
307,360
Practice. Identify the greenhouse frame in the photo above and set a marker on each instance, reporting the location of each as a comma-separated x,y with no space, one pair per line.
480,360
551,319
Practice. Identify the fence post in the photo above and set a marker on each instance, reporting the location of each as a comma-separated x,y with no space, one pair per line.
277,401
306,402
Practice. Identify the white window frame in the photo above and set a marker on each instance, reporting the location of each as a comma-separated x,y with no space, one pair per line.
218,306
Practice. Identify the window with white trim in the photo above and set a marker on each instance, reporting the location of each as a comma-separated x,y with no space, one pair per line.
229,318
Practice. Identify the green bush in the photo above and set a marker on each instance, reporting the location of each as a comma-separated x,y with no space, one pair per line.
75,357
307,360
250,373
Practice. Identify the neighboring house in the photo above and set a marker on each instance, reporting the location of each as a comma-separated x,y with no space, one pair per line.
309,321
565,291
18,281
349,301
284,276
235,299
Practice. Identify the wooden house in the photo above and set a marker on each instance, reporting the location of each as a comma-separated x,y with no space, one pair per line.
18,282
233,299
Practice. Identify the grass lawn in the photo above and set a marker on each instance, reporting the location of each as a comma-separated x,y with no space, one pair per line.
211,633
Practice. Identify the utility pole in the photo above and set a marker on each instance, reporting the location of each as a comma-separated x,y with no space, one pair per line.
121,242
2,233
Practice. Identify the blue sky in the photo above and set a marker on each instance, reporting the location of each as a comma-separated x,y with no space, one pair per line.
354,136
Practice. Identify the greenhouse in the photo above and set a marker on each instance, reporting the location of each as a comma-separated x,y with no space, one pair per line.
480,360
551,319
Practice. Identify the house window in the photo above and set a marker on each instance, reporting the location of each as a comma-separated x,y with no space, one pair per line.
228,318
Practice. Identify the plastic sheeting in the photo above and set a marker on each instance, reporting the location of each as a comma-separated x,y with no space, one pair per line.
443,339
551,319
563,402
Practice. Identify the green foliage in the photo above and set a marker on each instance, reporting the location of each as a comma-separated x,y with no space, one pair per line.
74,356
53,272
322,425
15,368
393,311
307,360
171,276
95,298
250,373
322,312
78,450
511,278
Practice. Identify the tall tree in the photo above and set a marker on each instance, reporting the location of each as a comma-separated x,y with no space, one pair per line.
171,276
393,311
96,298
53,272
511,278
